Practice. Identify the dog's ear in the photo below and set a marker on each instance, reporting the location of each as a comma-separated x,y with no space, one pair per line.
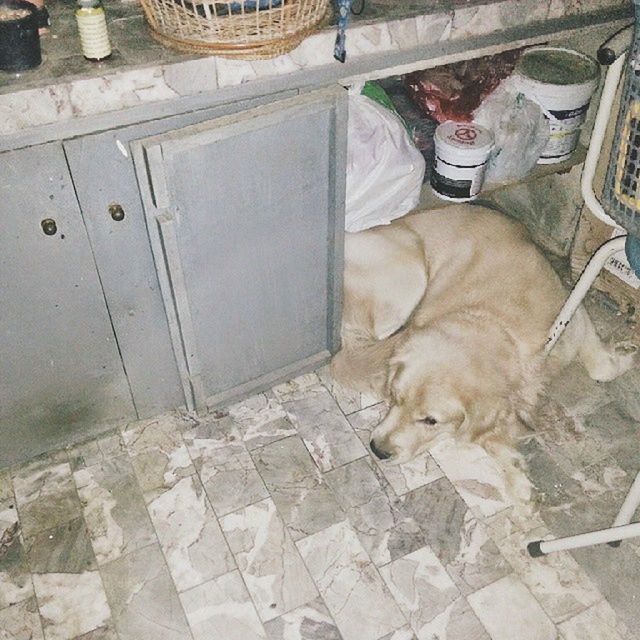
491,419
395,369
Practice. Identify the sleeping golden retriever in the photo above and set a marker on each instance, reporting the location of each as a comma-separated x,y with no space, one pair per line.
446,315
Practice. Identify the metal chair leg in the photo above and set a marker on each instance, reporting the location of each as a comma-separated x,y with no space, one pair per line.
620,530
579,291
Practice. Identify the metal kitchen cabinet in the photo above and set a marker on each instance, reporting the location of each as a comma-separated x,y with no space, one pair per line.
61,376
245,218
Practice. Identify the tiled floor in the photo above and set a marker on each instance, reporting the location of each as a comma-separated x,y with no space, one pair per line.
271,520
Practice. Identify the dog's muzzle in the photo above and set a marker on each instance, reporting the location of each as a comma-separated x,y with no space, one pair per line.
379,453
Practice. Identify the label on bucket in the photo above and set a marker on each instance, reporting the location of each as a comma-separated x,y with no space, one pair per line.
564,132
455,182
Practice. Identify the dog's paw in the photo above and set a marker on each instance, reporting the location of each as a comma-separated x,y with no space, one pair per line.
627,355
625,347
613,361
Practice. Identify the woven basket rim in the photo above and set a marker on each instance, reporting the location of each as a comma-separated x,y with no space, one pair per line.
228,48
254,33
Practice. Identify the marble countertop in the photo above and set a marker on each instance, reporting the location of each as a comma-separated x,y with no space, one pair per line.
141,71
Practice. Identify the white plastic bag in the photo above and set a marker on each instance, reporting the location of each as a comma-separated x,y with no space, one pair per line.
384,169
520,129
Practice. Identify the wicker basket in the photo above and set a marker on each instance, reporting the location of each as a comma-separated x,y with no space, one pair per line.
247,29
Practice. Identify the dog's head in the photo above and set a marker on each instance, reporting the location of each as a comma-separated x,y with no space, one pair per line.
444,379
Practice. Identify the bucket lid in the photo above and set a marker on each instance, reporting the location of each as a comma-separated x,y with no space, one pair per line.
466,137
556,65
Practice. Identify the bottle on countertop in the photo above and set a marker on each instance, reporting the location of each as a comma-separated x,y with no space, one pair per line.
92,25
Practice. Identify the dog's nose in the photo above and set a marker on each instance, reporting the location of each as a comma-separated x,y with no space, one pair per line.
379,453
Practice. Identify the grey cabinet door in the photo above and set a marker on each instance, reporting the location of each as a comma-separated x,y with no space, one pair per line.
245,215
103,175
61,377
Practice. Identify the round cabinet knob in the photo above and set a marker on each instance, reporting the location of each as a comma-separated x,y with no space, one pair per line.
49,226
116,212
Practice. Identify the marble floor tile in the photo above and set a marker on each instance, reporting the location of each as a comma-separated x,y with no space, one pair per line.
94,452
507,605
456,622
293,388
6,491
111,445
406,633
557,581
605,429
554,490
477,477
225,466
351,587
63,549
189,534
113,508
71,604
613,432
15,578
403,477
269,562
374,511
222,608
217,430
84,455
430,29
576,392
625,390
299,491
144,602
261,419
604,480
348,400
598,622
615,572
311,621
45,493
21,621
421,586
510,521
460,541
326,432
106,632
158,454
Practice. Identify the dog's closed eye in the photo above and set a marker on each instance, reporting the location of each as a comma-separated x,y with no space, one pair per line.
429,421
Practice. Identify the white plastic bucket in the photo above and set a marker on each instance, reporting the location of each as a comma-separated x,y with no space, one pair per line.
562,82
462,151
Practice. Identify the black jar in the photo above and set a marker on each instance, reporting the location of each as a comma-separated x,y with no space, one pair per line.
19,39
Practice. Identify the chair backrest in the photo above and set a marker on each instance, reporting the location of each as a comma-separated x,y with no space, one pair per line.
621,194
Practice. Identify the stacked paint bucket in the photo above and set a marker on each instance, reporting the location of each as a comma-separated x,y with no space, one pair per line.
562,82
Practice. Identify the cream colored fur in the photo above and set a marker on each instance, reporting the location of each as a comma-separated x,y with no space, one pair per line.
446,314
